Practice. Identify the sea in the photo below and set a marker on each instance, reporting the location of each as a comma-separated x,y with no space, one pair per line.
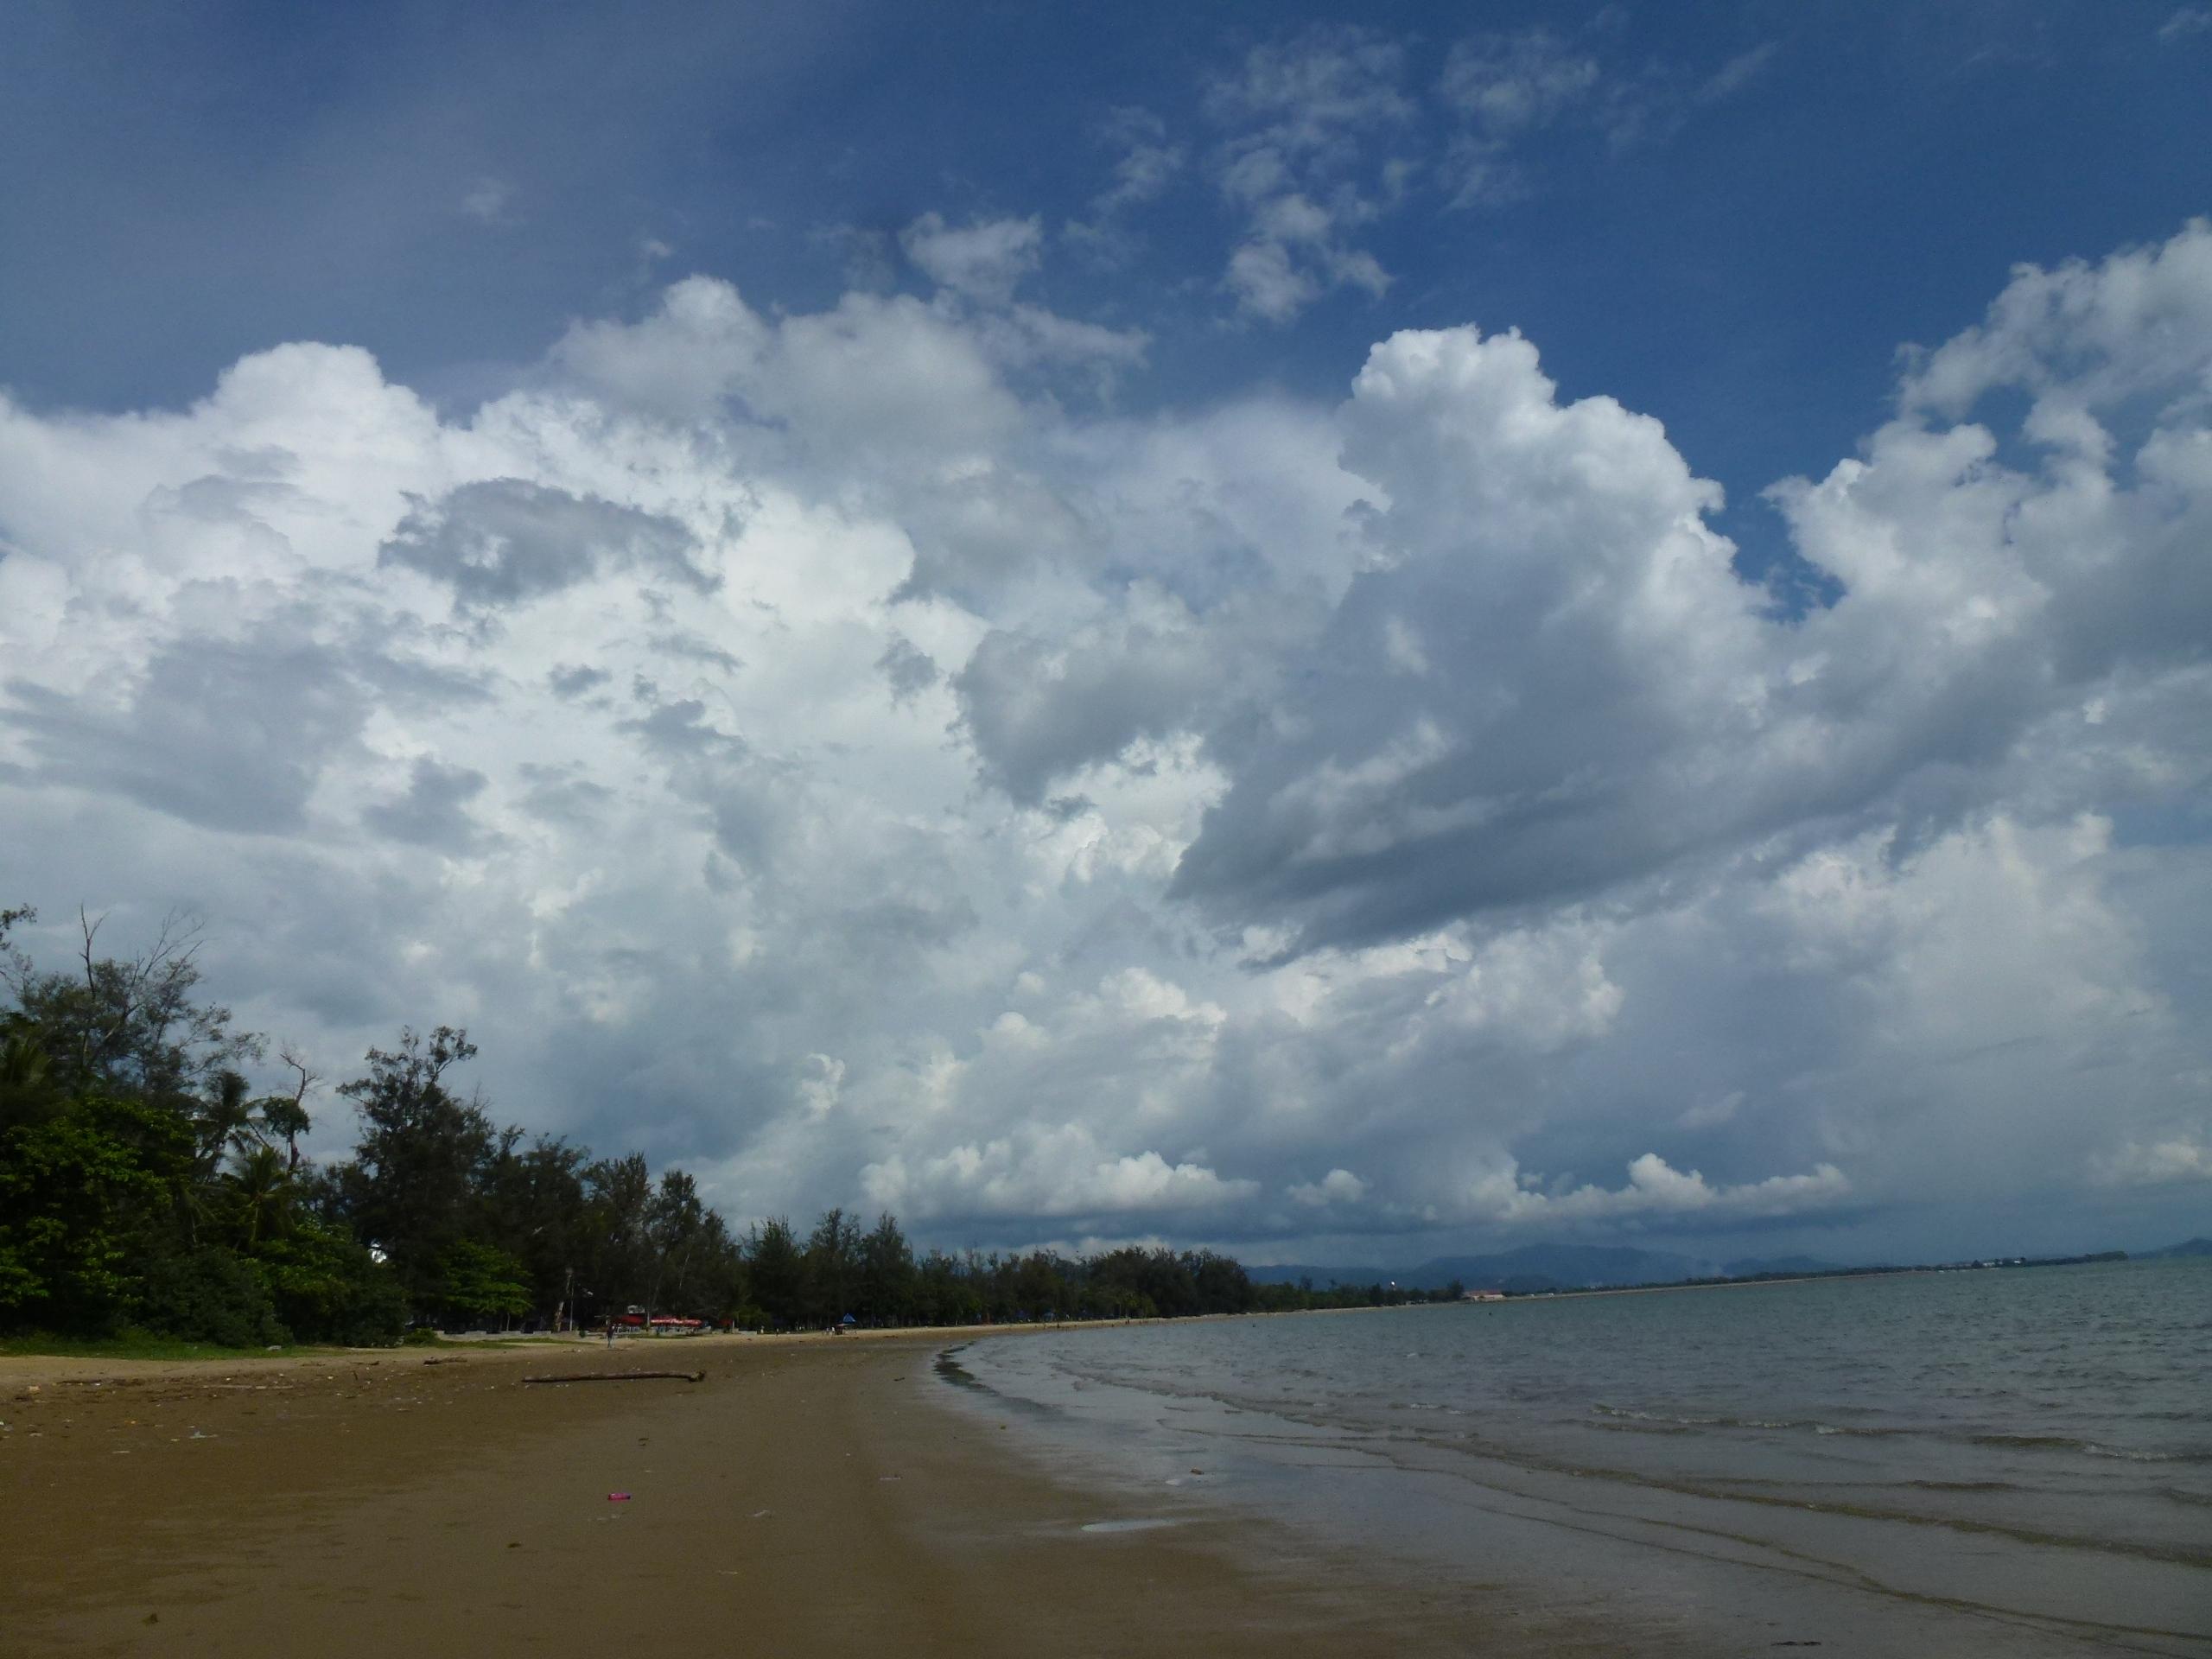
2008,1461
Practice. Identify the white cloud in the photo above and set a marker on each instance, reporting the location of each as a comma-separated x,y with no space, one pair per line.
1499,92
1338,1186
489,201
2081,337
2161,1163
1657,1191
1507,84
1301,113
1148,166
985,260
1057,1174
1739,72
822,1078
699,345
1711,1113
828,747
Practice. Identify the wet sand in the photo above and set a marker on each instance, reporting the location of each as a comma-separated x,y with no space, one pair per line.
810,1495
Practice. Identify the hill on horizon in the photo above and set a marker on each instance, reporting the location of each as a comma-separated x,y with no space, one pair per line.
2187,1247
1544,1267
1595,1266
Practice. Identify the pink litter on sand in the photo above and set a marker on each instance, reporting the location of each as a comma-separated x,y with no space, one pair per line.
618,1498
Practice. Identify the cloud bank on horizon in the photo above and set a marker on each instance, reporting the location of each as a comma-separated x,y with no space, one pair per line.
862,753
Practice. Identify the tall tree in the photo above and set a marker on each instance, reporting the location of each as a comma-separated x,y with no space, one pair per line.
409,1189
886,1273
778,1271
833,1263
263,1194
285,1117
675,1229
129,1025
621,1195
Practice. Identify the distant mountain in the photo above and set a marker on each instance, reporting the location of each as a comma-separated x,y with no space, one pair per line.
1542,1266
1552,1267
2192,1247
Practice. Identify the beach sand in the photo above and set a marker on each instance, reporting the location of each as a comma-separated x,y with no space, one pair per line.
809,1497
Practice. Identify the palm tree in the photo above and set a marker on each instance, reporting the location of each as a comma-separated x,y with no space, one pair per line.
223,1127
261,1187
225,1124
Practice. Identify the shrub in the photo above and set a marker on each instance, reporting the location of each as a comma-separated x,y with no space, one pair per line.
327,1288
209,1296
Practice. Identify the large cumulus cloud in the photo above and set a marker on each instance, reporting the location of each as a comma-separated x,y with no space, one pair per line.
840,751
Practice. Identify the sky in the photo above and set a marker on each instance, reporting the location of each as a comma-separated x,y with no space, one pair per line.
1344,633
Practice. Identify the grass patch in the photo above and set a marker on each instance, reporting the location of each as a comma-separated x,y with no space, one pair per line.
139,1344
424,1337
133,1345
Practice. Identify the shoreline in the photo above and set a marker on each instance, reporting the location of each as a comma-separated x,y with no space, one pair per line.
812,1493
39,1369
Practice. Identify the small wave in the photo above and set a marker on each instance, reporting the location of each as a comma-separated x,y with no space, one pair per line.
1632,1415
1965,1486
2087,1448
2121,1452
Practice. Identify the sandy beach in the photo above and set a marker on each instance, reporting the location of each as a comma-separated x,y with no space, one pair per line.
809,1496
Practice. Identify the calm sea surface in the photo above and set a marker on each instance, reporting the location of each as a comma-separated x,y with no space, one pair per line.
2014,1461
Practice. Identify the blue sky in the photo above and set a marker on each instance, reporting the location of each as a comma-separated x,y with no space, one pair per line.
244,173
1122,395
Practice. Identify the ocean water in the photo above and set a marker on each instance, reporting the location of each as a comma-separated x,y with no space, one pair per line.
2008,1461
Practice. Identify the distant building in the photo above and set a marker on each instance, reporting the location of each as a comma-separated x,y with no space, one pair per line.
1482,1295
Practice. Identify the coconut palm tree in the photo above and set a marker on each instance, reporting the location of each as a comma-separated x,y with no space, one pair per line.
261,1187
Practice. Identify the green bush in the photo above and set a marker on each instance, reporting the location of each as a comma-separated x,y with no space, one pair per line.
78,1191
327,1288
209,1296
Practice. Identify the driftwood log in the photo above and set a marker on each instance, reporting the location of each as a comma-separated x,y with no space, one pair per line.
621,1376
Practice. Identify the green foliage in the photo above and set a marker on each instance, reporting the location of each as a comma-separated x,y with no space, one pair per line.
128,1025
833,1266
482,1283
328,1288
28,1093
81,1194
143,1187
129,1343
210,1294
778,1272
420,1162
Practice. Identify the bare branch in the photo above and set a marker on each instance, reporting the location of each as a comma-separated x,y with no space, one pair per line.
307,1077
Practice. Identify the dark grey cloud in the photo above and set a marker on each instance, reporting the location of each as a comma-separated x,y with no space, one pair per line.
1037,709
573,680
690,648
908,668
231,735
505,540
564,794
433,812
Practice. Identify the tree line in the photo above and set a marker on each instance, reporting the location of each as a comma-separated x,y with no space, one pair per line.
144,1186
